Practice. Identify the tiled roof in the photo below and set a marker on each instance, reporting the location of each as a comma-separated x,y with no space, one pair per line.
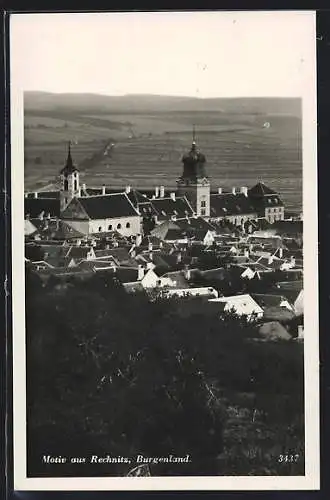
146,209
33,207
228,204
178,278
260,189
46,194
137,197
267,201
175,234
195,223
78,252
29,228
288,227
127,274
160,231
166,207
108,206
56,229
268,300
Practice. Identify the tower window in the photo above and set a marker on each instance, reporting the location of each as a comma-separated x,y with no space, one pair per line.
75,185
66,184
128,225
118,226
203,203
109,227
203,211
100,229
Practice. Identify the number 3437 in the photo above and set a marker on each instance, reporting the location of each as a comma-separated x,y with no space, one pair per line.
288,458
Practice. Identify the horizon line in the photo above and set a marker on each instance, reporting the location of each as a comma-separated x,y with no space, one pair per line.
128,94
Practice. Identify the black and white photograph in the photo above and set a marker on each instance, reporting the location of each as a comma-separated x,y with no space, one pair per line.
164,218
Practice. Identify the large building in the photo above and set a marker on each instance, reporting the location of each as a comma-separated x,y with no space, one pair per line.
130,212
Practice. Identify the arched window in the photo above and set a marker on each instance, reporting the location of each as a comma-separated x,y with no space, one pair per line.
100,229
75,185
66,184
128,225
110,227
119,226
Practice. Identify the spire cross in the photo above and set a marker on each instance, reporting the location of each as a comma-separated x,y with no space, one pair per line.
194,134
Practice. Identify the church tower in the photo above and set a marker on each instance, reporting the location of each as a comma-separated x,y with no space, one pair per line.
194,183
69,177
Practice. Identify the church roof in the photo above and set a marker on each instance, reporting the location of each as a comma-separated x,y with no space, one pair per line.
166,207
108,206
35,206
228,204
260,189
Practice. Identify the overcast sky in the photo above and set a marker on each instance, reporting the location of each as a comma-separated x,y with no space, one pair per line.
193,54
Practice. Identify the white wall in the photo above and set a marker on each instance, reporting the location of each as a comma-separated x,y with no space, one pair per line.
103,225
80,225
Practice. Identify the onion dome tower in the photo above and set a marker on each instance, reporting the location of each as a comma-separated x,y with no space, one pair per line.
194,182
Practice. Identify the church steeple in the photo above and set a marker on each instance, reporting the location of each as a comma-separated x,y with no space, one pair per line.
69,166
193,162
69,180
194,183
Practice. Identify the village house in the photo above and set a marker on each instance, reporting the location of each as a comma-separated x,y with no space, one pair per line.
241,305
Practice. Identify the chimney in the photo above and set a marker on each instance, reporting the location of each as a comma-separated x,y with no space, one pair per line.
79,192
219,190
149,265
156,192
244,190
35,194
127,189
300,332
292,260
84,187
280,253
78,243
179,258
187,273
150,246
103,189
172,196
162,191
48,216
140,272
246,253
233,190
138,240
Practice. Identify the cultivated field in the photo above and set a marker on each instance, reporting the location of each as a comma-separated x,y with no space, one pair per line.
144,148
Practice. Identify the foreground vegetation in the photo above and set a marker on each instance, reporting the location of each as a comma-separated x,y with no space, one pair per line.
109,373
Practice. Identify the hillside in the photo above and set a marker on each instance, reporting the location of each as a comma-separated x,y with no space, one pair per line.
159,103
139,140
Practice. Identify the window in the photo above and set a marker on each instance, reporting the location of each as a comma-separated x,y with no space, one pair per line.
100,229
110,227
66,184
128,225
75,185
203,203
119,226
203,211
